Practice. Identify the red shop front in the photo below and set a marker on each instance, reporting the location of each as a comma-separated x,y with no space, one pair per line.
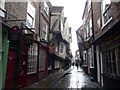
27,62
18,65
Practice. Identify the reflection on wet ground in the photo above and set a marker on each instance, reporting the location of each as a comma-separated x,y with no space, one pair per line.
76,78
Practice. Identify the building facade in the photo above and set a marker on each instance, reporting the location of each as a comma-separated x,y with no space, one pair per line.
59,38
106,33
36,38
85,33
26,26
105,42
4,45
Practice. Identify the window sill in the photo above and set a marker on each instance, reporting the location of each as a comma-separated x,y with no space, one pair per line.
106,23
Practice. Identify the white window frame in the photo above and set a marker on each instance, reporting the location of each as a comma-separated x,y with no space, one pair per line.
106,12
46,8
44,31
32,58
30,15
2,5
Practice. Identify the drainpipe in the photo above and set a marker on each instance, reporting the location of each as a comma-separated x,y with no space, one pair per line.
94,48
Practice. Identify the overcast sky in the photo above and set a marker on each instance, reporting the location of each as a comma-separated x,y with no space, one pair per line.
73,10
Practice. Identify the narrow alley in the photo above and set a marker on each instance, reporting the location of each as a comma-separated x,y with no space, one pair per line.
57,44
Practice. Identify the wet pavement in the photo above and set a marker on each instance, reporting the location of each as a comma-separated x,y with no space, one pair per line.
71,78
75,78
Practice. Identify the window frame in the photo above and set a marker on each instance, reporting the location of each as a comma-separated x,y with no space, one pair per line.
2,6
41,54
32,63
30,14
106,12
91,58
44,31
89,5
46,8
108,63
118,60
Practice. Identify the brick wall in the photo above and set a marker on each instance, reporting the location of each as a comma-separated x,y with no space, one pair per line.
97,15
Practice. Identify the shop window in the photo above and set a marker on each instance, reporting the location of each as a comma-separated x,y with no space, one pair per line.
118,60
42,59
32,58
109,62
30,21
44,31
113,61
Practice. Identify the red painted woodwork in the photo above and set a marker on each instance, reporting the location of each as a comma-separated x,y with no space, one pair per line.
22,69
11,65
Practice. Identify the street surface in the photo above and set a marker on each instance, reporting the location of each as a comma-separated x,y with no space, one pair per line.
75,78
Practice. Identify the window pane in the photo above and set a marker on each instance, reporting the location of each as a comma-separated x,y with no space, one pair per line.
32,59
118,60
42,59
113,61
29,21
